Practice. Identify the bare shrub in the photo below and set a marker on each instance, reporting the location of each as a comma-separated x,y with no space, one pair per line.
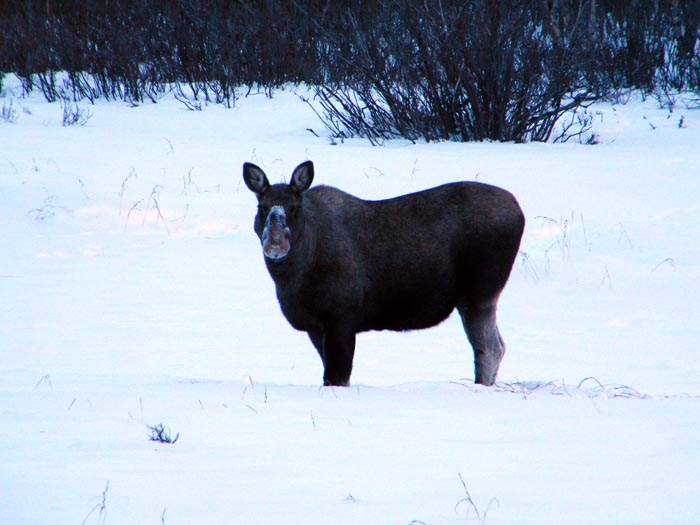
476,70
160,434
502,70
8,113
74,114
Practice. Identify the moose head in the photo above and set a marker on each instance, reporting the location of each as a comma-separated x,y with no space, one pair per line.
279,220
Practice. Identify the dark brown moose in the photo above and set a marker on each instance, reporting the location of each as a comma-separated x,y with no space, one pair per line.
343,265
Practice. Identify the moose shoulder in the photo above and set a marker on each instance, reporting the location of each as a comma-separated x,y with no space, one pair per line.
343,265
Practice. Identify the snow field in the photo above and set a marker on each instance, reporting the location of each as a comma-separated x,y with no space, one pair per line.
134,293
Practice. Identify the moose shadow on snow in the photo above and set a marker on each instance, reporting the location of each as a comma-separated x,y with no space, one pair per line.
343,265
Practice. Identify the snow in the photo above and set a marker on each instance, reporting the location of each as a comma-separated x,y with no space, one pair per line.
135,293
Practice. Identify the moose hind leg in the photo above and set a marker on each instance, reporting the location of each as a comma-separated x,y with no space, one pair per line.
480,325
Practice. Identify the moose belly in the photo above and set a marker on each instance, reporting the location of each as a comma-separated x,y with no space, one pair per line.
398,309
408,310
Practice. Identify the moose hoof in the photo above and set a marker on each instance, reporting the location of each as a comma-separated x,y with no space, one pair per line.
329,382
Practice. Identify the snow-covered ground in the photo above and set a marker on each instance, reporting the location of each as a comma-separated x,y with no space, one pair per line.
133,292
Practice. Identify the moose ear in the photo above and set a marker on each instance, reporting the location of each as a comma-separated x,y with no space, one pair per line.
255,178
302,177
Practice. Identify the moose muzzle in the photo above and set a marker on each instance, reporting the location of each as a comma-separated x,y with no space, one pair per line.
276,237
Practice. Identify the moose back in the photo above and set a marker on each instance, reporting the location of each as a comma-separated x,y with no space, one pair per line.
343,265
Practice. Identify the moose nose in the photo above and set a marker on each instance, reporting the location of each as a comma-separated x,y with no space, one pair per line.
276,237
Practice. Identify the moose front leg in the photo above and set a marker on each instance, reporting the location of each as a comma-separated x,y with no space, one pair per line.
317,338
338,352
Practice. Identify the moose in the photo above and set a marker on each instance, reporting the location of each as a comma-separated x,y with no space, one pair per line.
343,265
